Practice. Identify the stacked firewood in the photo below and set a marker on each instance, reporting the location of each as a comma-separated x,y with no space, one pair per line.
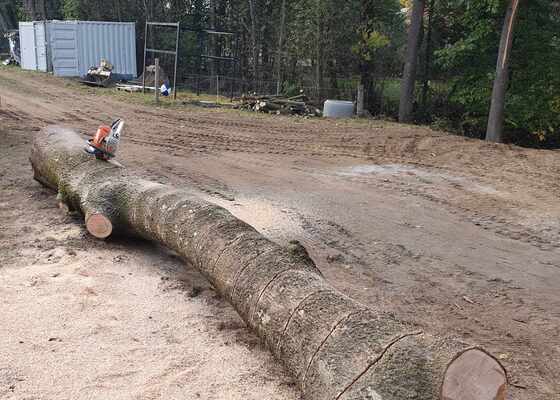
280,105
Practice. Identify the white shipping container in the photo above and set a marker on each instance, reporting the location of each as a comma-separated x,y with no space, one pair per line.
72,47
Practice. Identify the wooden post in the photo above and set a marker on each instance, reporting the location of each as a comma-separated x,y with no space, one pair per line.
156,80
176,61
360,101
217,89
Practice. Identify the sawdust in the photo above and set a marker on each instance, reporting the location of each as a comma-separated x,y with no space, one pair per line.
123,319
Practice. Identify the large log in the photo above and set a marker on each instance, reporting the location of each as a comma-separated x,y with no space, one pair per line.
335,347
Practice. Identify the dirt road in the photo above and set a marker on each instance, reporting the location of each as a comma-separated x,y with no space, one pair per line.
459,236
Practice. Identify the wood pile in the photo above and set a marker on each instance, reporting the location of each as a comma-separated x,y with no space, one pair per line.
126,87
280,105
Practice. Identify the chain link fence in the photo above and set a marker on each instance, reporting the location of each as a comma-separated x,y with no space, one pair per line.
382,96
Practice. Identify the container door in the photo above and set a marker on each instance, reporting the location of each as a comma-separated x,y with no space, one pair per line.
64,47
41,46
27,45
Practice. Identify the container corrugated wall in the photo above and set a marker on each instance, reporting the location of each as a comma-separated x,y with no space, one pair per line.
114,42
41,43
75,46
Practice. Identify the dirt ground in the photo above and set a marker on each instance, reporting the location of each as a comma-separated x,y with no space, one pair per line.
459,236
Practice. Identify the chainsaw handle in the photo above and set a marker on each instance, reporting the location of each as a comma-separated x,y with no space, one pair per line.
115,123
117,128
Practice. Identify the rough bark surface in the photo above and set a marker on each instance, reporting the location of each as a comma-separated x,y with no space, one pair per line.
334,347
494,131
406,104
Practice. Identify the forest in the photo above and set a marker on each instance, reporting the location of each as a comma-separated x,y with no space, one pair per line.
480,68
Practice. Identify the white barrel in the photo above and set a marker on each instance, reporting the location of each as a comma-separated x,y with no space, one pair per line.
338,109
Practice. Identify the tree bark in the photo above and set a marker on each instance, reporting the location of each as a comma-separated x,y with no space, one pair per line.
254,48
406,105
319,50
360,101
279,53
494,131
4,24
212,42
334,347
36,9
428,61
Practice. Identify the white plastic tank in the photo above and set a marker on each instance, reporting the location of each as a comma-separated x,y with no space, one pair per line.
338,109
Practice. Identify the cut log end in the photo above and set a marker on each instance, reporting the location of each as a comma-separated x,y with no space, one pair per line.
474,375
99,225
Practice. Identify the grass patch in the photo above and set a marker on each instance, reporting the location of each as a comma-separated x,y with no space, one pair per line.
18,78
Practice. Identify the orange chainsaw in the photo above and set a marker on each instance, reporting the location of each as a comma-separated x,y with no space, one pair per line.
106,140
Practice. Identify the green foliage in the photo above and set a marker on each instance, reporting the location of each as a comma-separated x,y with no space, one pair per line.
369,43
469,59
21,15
70,9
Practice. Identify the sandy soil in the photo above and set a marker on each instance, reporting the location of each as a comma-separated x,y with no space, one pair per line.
459,236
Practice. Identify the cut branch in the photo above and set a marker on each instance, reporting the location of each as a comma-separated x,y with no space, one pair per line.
333,346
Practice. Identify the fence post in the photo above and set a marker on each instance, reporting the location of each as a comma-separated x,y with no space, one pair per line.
176,61
156,80
217,89
360,101
144,65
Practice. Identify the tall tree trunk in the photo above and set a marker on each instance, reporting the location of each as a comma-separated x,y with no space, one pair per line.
410,66
494,131
117,7
36,9
279,57
254,49
6,22
212,39
319,51
364,86
428,61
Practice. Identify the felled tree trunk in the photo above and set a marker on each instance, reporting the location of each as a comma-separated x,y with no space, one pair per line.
335,347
